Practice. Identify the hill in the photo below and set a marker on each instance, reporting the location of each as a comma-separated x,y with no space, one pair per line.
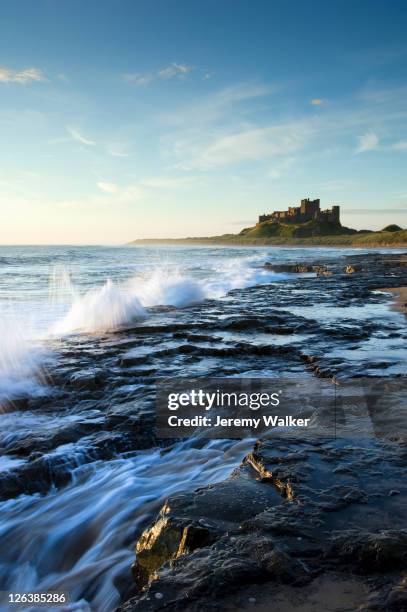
268,229
312,233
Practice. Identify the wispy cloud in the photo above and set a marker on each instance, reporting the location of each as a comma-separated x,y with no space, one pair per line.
112,195
76,135
243,91
215,131
367,142
248,145
117,151
137,78
130,193
240,124
378,93
317,101
175,70
108,187
127,194
218,105
401,145
281,168
170,182
27,75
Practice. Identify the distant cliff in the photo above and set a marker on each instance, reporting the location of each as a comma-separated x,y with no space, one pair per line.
312,233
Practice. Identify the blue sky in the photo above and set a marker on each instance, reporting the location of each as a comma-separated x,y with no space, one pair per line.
127,119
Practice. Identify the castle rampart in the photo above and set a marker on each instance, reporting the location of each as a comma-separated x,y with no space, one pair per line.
307,211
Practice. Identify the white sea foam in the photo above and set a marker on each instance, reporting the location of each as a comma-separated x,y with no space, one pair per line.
167,287
20,357
100,309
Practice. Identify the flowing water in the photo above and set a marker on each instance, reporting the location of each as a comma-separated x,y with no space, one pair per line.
78,483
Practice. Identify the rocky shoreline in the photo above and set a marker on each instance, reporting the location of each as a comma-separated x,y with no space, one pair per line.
297,519
294,511
304,523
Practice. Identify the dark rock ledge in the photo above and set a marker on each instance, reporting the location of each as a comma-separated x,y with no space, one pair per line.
286,524
351,264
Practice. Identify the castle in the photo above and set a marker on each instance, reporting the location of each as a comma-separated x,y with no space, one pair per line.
307,211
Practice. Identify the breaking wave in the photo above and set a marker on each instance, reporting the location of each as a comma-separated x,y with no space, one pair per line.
113,305
101,309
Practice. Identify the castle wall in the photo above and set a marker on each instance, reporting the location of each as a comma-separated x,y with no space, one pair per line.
308,210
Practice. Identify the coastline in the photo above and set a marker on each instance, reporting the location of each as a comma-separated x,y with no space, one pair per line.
174,243
367,241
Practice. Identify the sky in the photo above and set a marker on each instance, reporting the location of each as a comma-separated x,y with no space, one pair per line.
125,119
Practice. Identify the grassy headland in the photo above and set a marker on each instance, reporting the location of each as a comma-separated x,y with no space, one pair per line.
312,233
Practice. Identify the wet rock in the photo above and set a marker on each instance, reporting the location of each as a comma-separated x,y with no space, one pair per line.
290,268
318,370
352,269
36,476
339,497
13,404
323,271
128,360
287,569
54,469
215,571
189,521
383,551
292,520
53,437
396,599
91,378
166,540
252,542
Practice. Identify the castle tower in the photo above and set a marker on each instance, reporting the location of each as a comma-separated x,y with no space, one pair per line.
335,214
309,209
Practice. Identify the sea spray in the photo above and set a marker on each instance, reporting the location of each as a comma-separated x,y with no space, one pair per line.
21,356
116,305
167,287
239,273
101,309
61,289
